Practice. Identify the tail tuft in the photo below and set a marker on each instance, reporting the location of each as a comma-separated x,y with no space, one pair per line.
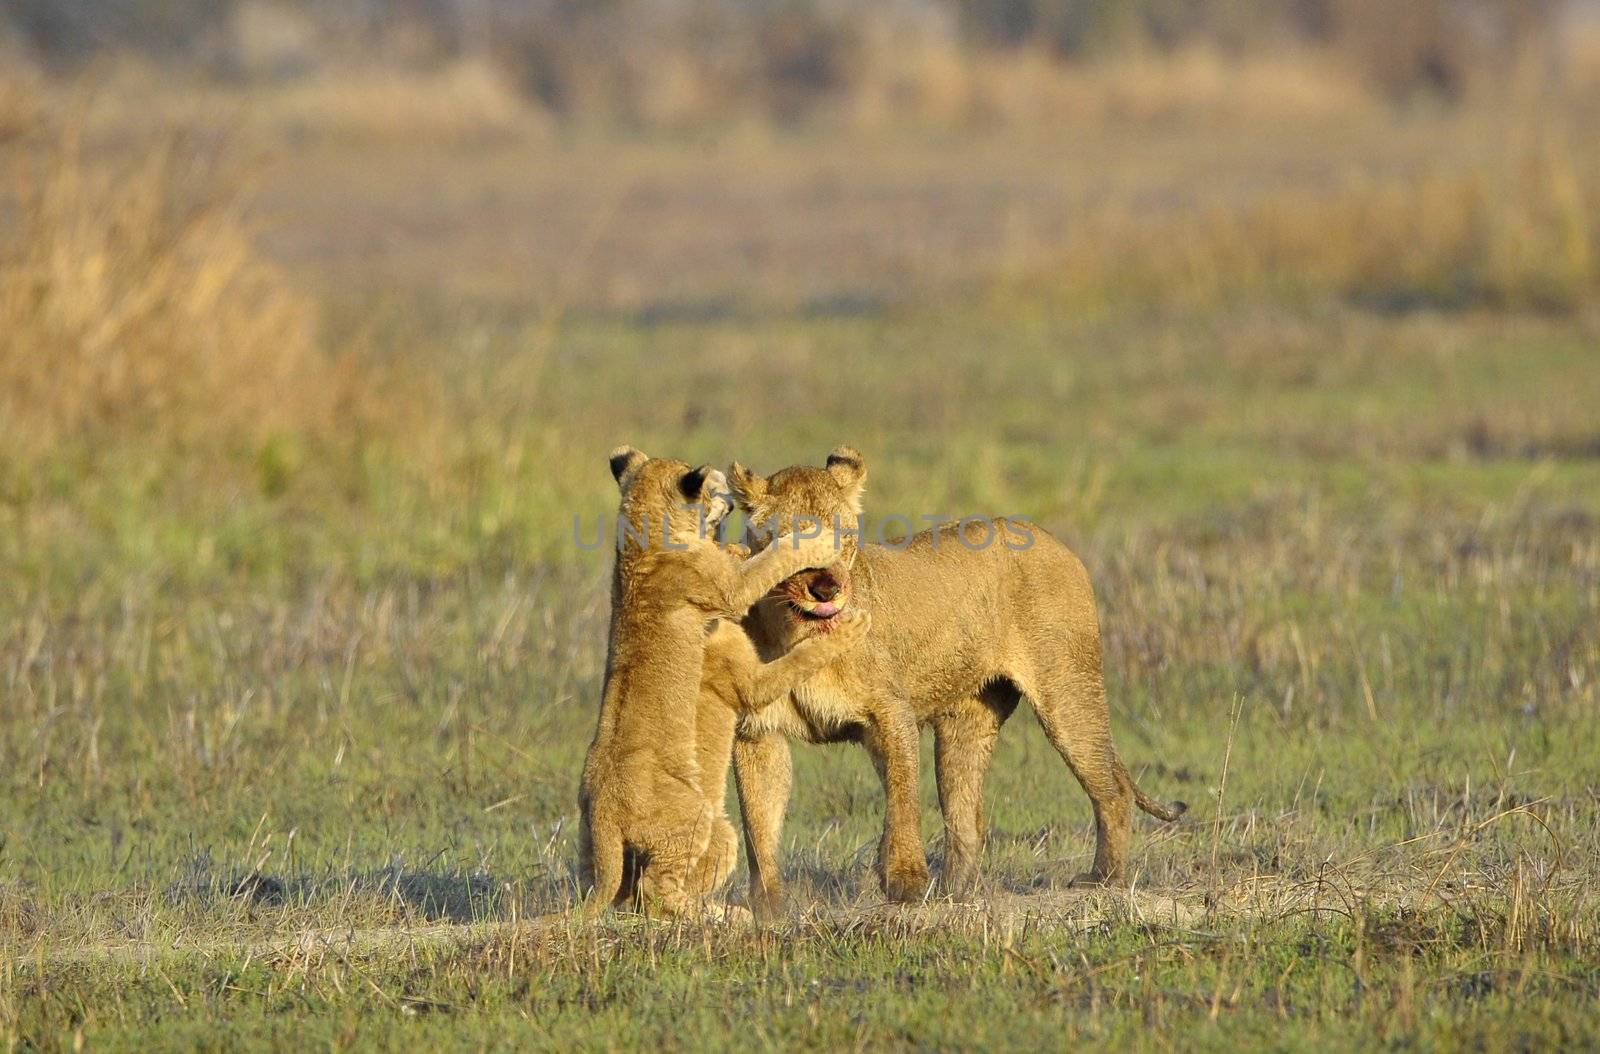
1168,811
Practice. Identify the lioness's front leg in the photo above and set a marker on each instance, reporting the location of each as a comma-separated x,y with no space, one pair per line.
762,773
893,742
788,555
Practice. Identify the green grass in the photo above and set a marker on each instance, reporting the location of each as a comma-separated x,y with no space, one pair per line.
293,701
354,693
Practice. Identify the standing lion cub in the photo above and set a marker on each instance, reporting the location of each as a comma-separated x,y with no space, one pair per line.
734,683
643,790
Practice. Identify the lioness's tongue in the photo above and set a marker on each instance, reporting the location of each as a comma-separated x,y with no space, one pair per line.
825,610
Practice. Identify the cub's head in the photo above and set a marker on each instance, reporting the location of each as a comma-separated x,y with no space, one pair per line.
663,498
808,500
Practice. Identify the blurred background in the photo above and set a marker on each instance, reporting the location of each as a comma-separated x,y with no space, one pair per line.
317,322
226,220
297,181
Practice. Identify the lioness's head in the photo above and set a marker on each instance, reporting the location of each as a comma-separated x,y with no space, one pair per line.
665,499
808,500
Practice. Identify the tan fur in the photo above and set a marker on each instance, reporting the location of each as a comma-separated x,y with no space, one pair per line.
735,682
642,789
962,627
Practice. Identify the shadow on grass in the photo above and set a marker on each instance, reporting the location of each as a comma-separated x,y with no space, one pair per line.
437,895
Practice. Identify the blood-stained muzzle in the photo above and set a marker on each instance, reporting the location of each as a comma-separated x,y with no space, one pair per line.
818,594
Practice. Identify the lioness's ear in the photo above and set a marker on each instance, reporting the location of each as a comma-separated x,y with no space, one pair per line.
693,482
748,488
625,461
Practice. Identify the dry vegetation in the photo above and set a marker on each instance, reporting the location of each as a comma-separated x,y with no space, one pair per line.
1516,234
135,304
298,658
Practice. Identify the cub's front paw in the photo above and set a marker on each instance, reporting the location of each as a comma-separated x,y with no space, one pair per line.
820,551
851,626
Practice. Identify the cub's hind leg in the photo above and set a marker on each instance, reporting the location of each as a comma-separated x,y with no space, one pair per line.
717,861
600,863
715,720
667,887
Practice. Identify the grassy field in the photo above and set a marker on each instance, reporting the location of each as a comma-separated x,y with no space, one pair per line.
299,659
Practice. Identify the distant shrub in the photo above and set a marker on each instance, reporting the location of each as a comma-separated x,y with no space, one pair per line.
69,31
664,62
1515,236
133,302
1435,45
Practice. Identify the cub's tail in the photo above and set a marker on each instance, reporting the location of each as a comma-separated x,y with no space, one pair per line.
600,864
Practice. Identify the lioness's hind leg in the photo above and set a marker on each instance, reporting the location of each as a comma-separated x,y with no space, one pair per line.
963,743
1070,702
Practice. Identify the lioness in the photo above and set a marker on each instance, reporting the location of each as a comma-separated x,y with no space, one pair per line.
642,788
966,619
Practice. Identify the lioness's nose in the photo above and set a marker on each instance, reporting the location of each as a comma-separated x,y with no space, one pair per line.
824,587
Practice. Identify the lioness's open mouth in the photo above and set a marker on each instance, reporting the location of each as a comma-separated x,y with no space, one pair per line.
818,613
816,596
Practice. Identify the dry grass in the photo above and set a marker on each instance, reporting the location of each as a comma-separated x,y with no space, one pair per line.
1517,235
893,78
135,304
929,80
20,100
463,101
121,97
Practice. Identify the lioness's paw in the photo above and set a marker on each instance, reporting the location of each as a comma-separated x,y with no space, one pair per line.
907,885
767,903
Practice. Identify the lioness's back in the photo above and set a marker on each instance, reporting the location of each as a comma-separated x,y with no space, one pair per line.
956,591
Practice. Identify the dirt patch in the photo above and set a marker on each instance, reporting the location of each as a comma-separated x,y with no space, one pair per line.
1065,911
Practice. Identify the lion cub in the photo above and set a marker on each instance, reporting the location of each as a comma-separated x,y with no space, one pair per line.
735,682
642,789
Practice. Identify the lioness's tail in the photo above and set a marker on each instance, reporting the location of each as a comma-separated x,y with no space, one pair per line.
1161,810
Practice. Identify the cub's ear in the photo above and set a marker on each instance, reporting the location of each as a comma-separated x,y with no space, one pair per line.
847,467
748,488
692,484
625,461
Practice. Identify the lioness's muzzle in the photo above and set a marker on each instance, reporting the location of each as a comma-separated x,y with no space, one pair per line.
819,593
